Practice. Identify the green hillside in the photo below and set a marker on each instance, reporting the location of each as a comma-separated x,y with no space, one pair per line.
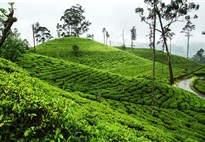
98,56
181,66
178,114
121,62
76,77
32,110
91,97
199,84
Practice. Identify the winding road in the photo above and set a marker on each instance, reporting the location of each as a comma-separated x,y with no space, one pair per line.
185,84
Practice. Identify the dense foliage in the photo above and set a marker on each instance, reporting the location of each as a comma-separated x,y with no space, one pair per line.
31,110
54,99
199,84
181,66
99,56
174,107
41,34
133,64
74,23
13,48
200,56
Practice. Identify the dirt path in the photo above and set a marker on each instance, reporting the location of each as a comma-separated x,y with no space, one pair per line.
185,84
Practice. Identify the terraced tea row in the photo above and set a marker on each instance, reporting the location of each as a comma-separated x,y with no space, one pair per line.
74,77
98,56
176,108
199,84
181,66
33,110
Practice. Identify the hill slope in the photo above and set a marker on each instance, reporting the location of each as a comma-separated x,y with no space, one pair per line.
181,65
132,64
32,110
79,100
98,56
178,114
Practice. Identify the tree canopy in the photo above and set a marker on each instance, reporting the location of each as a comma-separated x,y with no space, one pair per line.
133,32
41,33
74,22
167,14
13,47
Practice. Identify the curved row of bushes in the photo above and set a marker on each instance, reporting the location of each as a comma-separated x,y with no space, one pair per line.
199,84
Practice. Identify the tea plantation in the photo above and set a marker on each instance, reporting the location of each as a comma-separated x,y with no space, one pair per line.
130,63
99,94
199,84
181,66
98,56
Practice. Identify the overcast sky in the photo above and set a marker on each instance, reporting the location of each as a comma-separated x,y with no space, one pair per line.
114,15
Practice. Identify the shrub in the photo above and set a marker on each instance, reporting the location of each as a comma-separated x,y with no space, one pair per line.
75,50
13,48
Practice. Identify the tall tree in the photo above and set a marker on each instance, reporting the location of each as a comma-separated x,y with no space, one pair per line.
187,29
60,31
107,36
170,36
41,34
74,21
16,33
123,38
150,35
104,34
133,35
7,20
200,56
169,14
150,19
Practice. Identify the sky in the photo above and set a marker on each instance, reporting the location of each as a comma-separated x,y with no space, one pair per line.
114,15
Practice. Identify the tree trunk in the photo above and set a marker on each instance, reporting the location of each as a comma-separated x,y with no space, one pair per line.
132,44
171,77
188,37
34,44
7,28
153,59
170,46
123,37
104,38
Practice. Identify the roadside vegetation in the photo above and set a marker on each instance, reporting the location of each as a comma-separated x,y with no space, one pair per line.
199,84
